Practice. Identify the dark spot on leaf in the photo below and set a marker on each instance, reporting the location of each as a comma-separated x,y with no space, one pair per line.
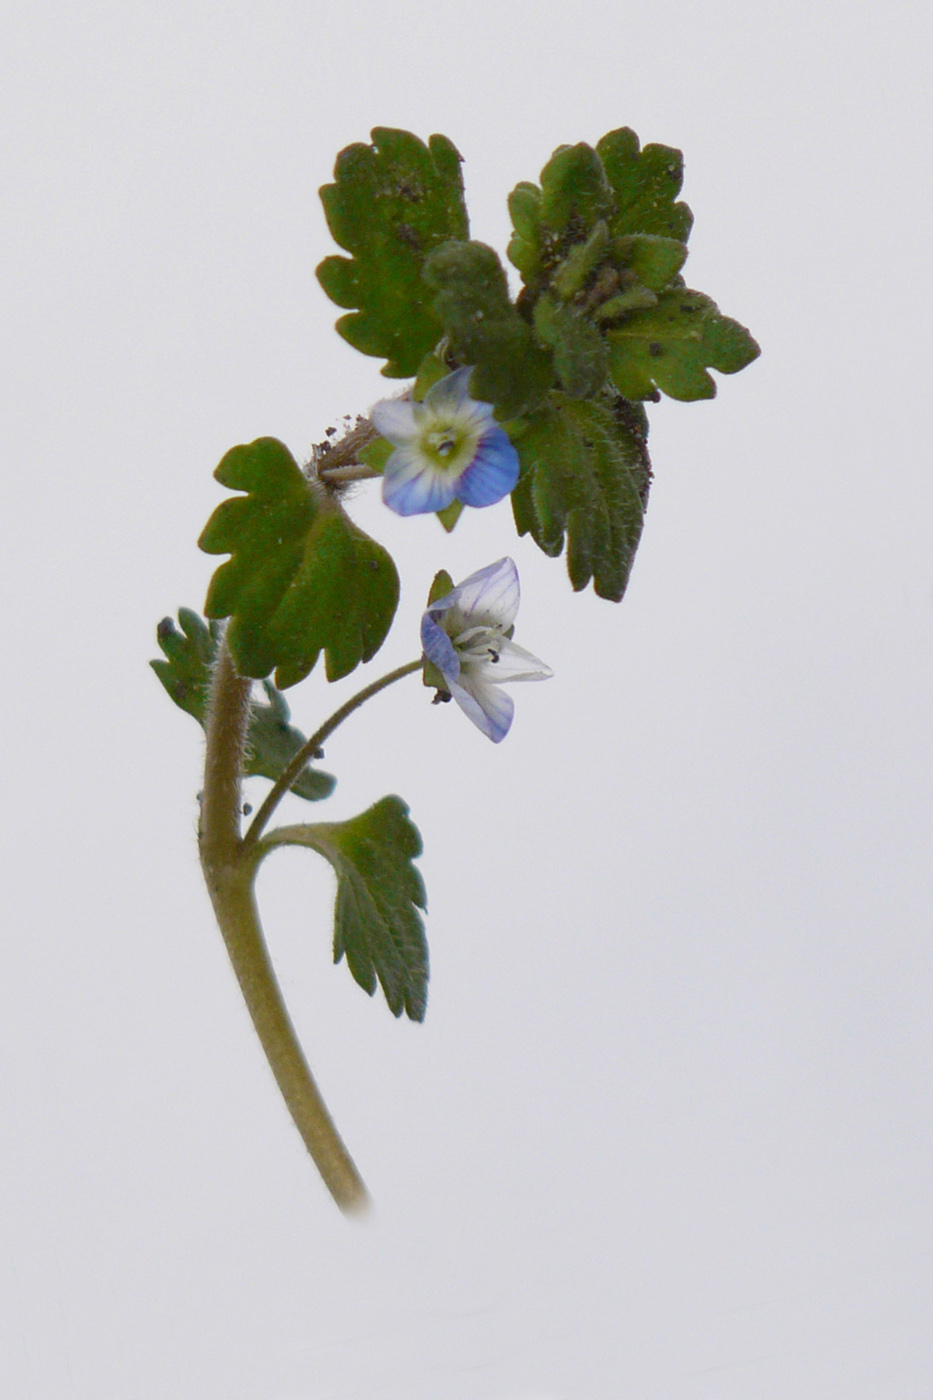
655,349
409,237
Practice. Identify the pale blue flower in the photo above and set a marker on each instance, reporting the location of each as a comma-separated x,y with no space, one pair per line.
467,636
447,448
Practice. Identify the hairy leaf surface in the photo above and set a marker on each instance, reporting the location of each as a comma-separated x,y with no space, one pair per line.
645,183
669,346
377,923
485,330
272,741
391,204
302,578
585,476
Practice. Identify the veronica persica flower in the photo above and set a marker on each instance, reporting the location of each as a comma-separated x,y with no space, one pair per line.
447,448
467,636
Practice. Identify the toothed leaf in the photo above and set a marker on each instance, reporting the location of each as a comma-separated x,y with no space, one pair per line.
271,742
302,578
377,923
485,330
645,183
671,345
391,204
585,475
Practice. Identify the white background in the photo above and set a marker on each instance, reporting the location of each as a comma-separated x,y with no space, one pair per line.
666,1132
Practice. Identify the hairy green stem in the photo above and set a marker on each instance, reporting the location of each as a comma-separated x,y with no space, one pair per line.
229,872
310,748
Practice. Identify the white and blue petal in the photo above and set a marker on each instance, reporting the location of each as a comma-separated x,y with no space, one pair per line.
493,472
488,598
448,447
439,649
514,663
451,395
413,486
464,636
490,708
396,420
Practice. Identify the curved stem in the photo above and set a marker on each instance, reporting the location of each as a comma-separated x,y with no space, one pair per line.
310,748
229,874
235,906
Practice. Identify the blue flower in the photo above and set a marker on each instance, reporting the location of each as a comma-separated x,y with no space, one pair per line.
447,448
467,636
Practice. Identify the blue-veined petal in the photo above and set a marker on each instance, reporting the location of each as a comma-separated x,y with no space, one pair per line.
468,625
493,472
413,486
396,420
451,395
488,598
439,649
490,708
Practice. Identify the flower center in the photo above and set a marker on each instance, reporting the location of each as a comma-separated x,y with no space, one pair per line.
479,644
449,444
443,442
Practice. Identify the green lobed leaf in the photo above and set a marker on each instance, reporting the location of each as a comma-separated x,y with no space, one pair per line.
645,184
271,742
525,250
670,346
302,578
186,671
578,348
484,328
653,260
377,924
391,204
585,475
575,193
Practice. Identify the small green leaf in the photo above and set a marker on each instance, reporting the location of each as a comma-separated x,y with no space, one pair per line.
271,742
441,585
450,515
377,924
581,262
585,475
433,677
524,250
302,578
485,330
575,194
392,203
646,184
654,260
375,454
670,346
186,672
430,371
578,348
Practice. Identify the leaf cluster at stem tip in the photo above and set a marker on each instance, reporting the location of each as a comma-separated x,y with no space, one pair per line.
603,320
